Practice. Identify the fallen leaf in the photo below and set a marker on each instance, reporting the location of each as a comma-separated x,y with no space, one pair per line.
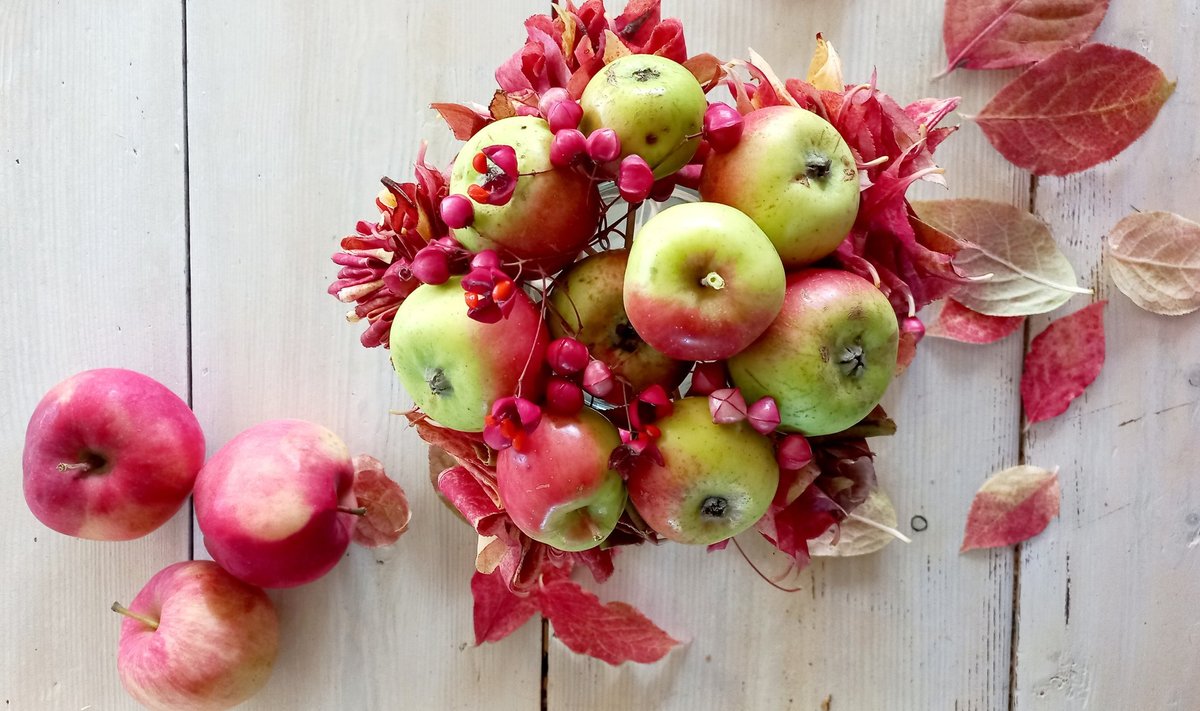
1012,506
958,323
856,537
1062,361
1075,109
612,633
387,513
1154,259
994,34
825,69
1017,267
498,612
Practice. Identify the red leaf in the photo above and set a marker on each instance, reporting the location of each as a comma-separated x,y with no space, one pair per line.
1062,361
1075,109
958,323
612,633
1012,506
471,499
387,513
498,612
993,34
906,351
464,121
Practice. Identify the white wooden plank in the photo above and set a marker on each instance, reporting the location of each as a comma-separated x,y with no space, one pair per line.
295,112
1107,593
93,261
913,627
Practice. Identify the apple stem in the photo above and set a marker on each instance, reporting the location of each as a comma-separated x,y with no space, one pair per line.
81,467
713,280
144,619
360,511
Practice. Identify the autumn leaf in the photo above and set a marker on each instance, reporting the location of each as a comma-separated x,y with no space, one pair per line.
825,69
958,323
1016,266
856,536
387,513
1012,506
1154,259
1075,109
464,121
613,633
994,34
1062,361
498,612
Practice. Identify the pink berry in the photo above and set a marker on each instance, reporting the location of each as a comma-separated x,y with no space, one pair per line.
727,406
603,145
598,379
487,259
563,397
431,265
567,356
794,452
763,415
662,190
722,127
689,176
566,146
635,179
564,115
708,377
550,97
457,211
913,325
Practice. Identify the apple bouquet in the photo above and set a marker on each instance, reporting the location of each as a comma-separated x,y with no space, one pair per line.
656,296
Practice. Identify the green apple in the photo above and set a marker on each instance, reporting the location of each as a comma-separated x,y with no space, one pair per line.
715,481
586,304
454,367
552,213
794,175
558,488
655,106
703,281
829,356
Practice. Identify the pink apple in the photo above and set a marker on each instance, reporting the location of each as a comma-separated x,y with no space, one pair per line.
110,454
559,489
828,358
275,504
715,480
587,304
196,639
703,281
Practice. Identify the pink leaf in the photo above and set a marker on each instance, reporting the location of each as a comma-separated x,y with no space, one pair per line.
387,513
498,612
1154,259
1012,506
612,633
958,323
993,34
464,121
1075,109
1062,361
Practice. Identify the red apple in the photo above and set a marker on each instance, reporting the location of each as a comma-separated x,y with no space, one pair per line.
275,504
703,281
587,304
111,455
715,480
559,489
196,639
828,358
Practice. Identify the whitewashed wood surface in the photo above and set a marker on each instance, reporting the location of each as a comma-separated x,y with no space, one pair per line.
176,217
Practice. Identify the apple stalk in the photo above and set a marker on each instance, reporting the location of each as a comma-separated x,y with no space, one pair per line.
359,511
144,619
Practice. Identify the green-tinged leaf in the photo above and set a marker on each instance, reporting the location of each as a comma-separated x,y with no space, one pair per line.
857,535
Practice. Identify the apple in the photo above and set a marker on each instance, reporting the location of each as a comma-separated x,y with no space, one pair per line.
559,489
703,281
587,304
655,106
110,454
715,480
552,213
455,367
275,504
794,175
196,638
828,358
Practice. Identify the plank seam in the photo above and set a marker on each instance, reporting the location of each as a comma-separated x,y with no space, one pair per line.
187,253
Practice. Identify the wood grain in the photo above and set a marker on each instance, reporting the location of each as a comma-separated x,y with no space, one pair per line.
1107,593
93,262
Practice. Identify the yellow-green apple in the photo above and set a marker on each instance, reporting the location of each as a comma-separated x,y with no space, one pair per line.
794,175
550,215
587,304
828,358
558,488
715,480
196,639
455,367
655,106
110,454
276,504
703,281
